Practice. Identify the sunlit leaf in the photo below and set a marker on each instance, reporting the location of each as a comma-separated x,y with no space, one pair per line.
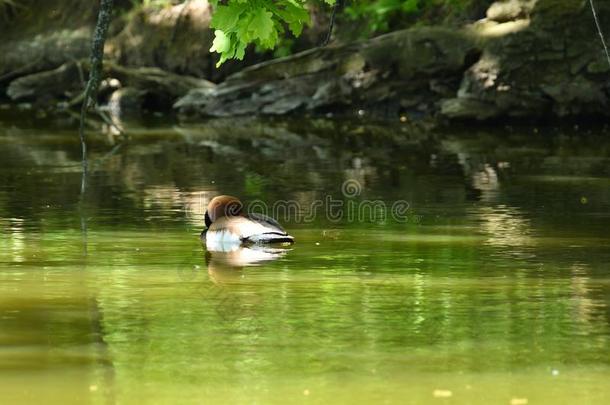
221,42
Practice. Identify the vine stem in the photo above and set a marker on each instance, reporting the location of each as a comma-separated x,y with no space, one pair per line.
95,73
332,23
89,98
599,30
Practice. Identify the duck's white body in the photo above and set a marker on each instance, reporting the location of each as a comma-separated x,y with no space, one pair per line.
239,230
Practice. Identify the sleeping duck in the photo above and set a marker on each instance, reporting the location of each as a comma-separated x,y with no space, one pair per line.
227,224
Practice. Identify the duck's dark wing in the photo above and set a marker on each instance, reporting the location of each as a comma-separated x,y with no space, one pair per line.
273,233
268,222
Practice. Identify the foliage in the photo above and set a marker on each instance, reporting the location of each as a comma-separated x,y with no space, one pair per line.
238,23
379,14
379,11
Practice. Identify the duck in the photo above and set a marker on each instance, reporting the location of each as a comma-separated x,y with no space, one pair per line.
228,225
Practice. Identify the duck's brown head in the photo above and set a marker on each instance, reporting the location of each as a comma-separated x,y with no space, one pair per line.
222,206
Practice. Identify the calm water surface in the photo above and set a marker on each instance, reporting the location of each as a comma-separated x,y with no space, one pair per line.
493,288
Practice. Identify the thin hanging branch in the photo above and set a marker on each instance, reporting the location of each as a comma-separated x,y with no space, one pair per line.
89,97
599,30
95,72
332,22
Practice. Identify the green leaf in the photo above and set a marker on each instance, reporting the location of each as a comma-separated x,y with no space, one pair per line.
261,25
238,23
226,17
295,16
221,43
240,50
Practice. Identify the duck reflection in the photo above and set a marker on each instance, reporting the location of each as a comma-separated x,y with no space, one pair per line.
227,262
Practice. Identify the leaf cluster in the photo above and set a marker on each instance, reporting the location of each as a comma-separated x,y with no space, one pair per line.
378,16
237,23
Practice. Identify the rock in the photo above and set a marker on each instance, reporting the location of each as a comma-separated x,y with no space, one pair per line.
193,100
162,84
528,59
547,66
380,71
41,36
53,84
148,88
598,66
468,108
176,39
43,52
578,97
493,29
509,10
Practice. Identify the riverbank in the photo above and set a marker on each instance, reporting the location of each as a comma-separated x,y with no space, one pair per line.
526,60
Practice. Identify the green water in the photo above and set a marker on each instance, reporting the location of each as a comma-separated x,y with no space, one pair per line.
494,288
